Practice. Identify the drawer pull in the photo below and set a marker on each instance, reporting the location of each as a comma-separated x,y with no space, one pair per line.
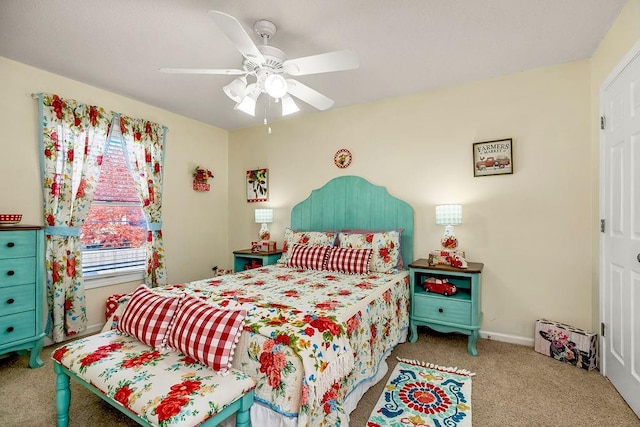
10,329
10,301
10,244
440,310
10,273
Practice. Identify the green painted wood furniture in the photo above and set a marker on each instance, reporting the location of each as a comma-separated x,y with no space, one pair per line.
148,385
244,256
351,202
21,291
455,313
240,407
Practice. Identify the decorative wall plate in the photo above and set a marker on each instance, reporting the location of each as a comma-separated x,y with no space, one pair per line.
342,158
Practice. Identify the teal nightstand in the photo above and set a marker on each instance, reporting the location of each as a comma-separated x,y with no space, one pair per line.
456,313
262,258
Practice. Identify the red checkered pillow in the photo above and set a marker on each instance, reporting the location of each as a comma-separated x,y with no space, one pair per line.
309,257
207,333
147,316
348,260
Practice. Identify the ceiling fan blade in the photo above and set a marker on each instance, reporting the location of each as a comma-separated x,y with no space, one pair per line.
338,60
228,72
237,35
308,95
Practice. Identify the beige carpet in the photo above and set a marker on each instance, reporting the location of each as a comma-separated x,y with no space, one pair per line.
514,386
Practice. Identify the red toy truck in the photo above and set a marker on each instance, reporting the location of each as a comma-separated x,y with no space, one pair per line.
440,286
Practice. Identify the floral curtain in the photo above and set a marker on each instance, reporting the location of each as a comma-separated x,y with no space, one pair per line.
144,145
72,141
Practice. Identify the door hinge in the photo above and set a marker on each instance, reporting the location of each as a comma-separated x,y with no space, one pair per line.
603,122
602,329
602,225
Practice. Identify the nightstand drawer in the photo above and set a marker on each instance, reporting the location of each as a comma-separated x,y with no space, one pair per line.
16,244
15,327
442,309
17,271
15,299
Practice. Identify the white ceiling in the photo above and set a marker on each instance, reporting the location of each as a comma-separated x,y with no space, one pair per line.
404,46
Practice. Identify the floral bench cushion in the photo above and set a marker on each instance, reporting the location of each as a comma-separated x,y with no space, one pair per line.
163,387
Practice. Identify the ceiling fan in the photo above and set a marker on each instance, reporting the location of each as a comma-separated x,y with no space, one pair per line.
268,65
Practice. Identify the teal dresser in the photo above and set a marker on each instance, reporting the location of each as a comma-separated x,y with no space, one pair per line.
456,313
21,291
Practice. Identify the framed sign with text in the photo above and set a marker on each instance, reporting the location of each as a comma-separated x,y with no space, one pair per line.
493,157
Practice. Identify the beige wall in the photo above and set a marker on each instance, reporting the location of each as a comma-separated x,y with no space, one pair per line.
622,36
195,224
530,229
535,230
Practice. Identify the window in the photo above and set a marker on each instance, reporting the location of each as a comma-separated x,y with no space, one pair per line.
114,234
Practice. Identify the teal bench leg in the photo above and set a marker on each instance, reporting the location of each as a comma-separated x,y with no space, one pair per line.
242,417
63,396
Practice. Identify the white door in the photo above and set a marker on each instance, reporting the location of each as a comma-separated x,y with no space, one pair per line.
620,242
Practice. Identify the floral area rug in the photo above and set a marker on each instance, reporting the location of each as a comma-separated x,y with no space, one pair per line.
422,394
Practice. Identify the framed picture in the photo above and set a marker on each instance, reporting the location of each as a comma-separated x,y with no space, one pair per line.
258,185
493,157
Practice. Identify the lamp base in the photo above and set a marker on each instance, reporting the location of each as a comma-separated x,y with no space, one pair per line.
449,240
264,232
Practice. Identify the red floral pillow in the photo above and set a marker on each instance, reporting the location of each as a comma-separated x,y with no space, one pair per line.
350,261
306,238
147,316
207,333
308,257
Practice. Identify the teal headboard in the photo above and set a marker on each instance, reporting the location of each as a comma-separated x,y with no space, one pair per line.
353,202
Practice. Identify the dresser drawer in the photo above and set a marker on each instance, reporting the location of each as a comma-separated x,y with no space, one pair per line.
16,244
442,309
15,327
17,271
15,299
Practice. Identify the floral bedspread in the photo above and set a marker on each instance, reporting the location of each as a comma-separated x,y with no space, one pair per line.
310,336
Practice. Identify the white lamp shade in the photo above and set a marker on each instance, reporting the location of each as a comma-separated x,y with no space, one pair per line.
288,105
235,89
448,214
264,216
275,85
248,103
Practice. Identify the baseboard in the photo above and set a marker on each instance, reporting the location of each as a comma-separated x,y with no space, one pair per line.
89,331
513,339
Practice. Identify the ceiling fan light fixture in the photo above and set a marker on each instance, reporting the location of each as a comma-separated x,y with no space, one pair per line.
248,102
247,105
275,85
288,105
235,90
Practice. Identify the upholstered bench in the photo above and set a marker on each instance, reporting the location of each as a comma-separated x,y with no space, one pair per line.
154,388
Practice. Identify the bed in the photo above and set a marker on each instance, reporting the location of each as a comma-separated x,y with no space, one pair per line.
315,340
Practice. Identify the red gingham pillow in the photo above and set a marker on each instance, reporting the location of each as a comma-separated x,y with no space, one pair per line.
310,257
147,316
206,333
348,260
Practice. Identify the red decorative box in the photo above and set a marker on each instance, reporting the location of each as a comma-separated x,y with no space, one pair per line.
567,344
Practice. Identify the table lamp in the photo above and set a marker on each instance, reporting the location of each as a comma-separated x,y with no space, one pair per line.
449,215
264,217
